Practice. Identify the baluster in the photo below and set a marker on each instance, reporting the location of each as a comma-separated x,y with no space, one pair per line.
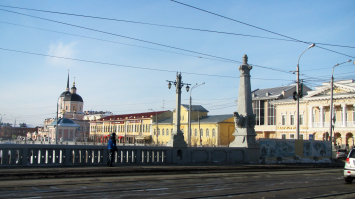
89,156
50,157
42,156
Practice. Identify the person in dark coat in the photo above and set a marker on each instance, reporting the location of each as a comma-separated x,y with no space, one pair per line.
111,146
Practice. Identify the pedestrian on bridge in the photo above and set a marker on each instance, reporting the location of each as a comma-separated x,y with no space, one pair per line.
111,146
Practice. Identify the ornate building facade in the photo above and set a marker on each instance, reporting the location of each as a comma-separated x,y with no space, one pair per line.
315,114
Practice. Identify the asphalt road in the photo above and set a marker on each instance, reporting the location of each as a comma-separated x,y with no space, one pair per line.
274,183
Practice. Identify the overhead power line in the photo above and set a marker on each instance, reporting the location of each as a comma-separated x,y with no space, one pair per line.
98,39
169,26
154,43
126,66
269,31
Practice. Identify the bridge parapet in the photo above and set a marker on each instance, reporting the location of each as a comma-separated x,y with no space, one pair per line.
94,155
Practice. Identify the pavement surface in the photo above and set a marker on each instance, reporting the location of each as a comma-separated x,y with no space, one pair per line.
18,173
244,181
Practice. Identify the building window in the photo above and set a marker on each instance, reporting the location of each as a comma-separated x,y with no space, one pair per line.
271,116
66,107
207,133
158,131
323,115
283,120
162,132
73,108
292,119
155,131
171,131
313,117
195,132
259,111
283,136
167,131
292,136
335,116
301,119
301,136
201,132
213,132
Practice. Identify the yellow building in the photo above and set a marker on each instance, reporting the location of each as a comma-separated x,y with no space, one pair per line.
129,128
264,110
214,130
315,114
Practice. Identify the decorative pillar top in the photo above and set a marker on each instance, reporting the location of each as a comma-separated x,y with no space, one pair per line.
245,67
245,59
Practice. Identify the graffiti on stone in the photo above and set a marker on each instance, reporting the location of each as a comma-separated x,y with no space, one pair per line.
277,148
316,148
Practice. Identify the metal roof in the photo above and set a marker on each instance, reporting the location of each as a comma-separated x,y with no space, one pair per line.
270,92
195,108
131,116
214,119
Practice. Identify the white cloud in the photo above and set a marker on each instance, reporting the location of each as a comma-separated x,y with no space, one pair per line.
61,49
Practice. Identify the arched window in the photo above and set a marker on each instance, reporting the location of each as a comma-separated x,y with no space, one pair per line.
158,131
195,132
207,133
213,132
155,131
167,131
201,132
162,132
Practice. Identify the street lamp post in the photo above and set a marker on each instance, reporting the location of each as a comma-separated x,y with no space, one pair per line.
298,93
12,132
177,137
156,119
331,120
189,131
56,129
1,122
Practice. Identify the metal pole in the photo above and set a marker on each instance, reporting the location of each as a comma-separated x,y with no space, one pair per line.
331,120
56,129
298,93
156,118
198,116
189,131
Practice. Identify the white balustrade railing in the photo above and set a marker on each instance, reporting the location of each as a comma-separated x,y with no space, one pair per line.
52,155
337,124
86,155
350,123
317,124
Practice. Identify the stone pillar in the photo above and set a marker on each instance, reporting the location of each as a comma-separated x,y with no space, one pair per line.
244,118
321,116
310,117
344,115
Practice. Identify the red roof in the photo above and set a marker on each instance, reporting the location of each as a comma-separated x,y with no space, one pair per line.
131,116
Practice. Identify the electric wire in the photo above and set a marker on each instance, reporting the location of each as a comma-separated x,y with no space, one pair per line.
98,39
140,40
168,26
126,66
275,33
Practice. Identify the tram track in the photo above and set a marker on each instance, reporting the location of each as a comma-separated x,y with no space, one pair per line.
200,184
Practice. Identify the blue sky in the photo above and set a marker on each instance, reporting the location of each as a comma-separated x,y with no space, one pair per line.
31,84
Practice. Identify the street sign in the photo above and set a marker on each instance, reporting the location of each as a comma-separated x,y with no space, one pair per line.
311,137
